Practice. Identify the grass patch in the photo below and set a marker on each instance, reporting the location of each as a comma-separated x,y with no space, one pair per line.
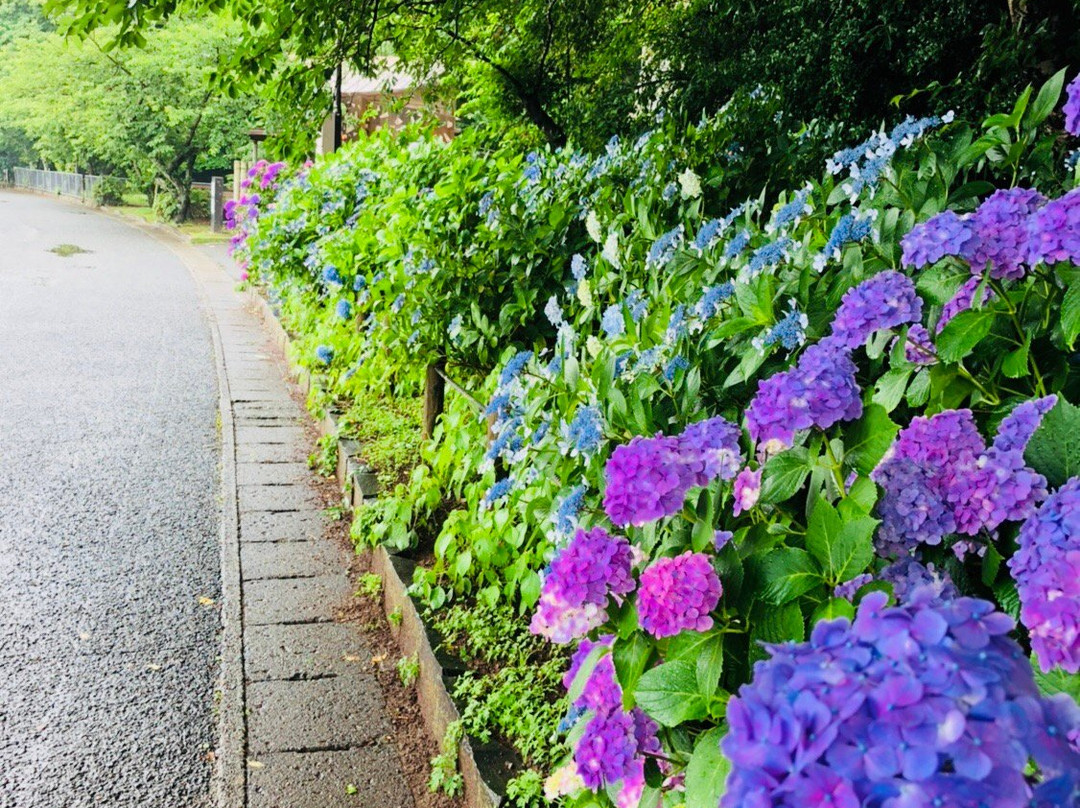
389,432
64,250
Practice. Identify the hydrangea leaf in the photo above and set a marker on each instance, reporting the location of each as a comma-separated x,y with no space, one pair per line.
630,657
833,609
1015,364
786,574
669,694
1054,450
964,332
1045,101
889,390
1056,681
939,283
868,439
707,771
844,548
784,475
1070,314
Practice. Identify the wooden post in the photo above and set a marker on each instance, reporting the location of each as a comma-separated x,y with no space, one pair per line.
434,395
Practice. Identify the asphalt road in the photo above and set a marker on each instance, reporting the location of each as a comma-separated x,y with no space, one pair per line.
109,569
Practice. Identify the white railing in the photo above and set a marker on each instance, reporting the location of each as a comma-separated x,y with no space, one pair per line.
78,186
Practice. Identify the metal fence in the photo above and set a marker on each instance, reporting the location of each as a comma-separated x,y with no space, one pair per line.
77,186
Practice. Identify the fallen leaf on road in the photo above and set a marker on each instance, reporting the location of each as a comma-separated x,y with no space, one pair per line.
375,660
153,667
254,764
351,658
205,601
83,635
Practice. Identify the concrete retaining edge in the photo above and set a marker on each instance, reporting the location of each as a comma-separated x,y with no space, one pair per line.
485,769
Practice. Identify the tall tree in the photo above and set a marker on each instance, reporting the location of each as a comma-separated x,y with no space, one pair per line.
150,113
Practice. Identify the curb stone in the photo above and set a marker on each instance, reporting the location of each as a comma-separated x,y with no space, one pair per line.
485,768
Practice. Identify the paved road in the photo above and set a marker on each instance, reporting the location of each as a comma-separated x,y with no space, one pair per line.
108,517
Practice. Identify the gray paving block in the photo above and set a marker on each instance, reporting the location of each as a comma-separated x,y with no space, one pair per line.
295,600
261,526
272,473
271,453
294,497
287,434
292,559
321,780
333,713
305,651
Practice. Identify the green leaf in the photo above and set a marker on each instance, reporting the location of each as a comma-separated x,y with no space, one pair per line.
779,625
707,771
889,390
630,657
867,440
842,547
963,332
669,693
787,573
784,474
1046,100
1056,681
939,283
1070,314
1015,364
1054,450
704,533
919,389
832,609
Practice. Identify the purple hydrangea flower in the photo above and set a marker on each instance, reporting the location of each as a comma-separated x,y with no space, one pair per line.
747,490
1054,230
919,349
647,478
819,391
1072,107
1001,232
611,749
908,574
963,300
930,241
1047,573
593,567
721,539
940,478
925,704
677,594
710,449
886,300
847,589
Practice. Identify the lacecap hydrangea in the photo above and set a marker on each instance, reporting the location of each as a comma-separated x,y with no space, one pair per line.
925,704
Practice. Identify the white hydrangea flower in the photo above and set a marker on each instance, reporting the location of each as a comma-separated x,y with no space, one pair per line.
592,225
690,183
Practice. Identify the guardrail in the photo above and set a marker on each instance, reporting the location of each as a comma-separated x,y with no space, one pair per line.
64,183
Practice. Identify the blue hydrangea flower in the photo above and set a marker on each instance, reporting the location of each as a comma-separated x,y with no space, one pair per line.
325,354
585,432
569,507
737,244
359,282
663,249
674,366
790,331
638,306
706,235
553,311
398,303
344,309
497,492
709,304
791,212
330,275
669,191
578,267
514,367
768,256
612,321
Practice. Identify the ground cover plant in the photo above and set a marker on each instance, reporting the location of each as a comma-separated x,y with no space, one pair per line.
792,478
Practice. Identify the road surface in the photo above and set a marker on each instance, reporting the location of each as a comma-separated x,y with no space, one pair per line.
109,566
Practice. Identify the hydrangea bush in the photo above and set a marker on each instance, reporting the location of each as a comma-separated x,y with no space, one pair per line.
786,470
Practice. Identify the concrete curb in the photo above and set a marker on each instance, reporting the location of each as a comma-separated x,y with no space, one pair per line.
484,769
